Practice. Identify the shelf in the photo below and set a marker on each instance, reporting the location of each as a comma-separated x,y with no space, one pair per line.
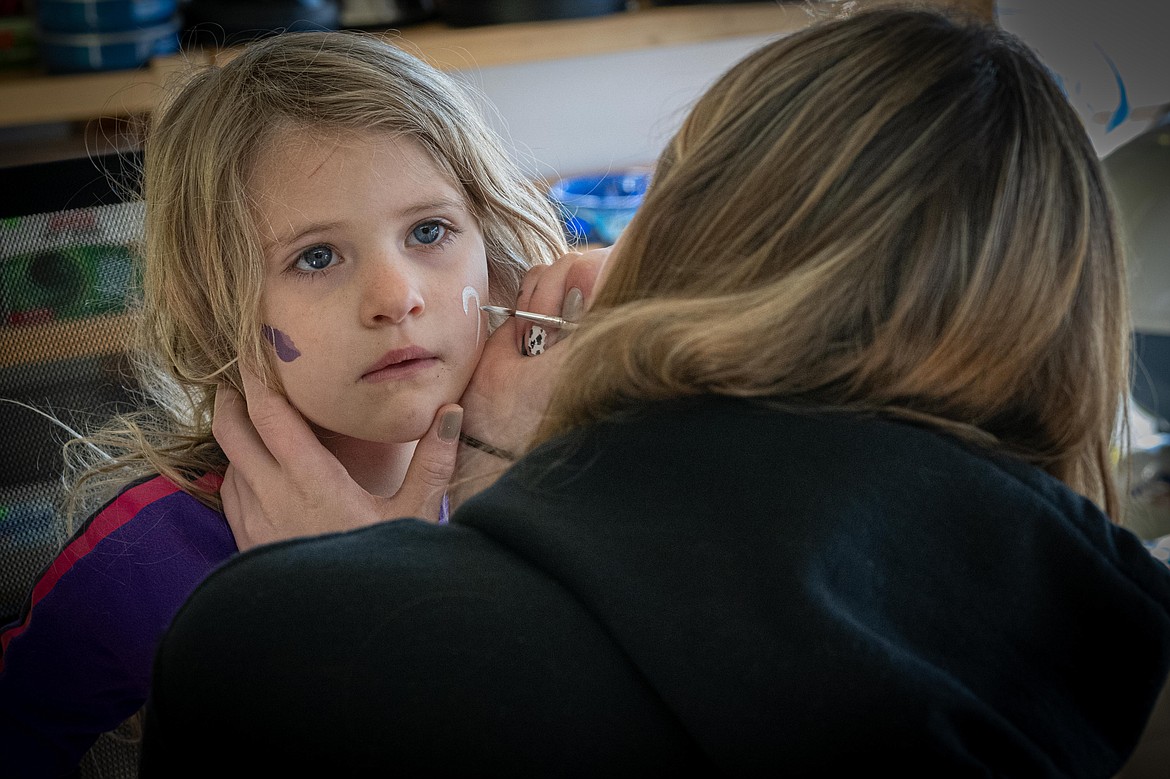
64,340
32,98
40,99
459,49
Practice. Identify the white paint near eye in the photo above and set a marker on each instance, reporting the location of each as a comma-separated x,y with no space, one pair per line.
468,293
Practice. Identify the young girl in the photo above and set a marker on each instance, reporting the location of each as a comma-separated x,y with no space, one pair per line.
323,210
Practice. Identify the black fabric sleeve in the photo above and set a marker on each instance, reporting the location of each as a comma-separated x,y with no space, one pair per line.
401,647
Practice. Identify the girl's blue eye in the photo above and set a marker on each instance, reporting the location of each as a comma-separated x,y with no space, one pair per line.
315,258
428,233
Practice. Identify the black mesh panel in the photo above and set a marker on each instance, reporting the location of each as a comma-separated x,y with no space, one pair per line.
66,281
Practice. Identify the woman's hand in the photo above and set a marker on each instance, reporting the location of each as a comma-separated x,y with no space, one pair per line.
510,389
561,289
282,483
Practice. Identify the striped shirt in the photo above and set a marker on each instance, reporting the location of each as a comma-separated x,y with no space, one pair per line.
77,661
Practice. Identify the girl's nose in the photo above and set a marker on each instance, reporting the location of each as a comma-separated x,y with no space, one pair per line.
390,293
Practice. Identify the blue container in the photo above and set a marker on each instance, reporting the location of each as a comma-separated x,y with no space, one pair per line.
80,16
598,208
85,52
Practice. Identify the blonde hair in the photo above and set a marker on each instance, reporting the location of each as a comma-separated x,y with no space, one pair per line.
894,213
202,258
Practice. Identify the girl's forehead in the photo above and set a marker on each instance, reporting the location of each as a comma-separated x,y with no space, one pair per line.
315,140
310,182
310,149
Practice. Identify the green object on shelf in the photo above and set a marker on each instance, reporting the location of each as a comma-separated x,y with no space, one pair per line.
18,41
66,283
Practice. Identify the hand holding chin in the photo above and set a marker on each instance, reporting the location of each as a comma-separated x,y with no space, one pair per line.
282,483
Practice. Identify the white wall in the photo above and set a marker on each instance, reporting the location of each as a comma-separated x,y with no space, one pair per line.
601,112
1112,57
608,111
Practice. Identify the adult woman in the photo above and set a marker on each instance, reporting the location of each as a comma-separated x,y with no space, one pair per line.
819,488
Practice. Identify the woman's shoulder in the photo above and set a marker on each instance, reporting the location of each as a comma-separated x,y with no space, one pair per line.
412,555
826,471
418,566
740,437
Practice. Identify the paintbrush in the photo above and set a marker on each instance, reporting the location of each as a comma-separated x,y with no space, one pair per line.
531,316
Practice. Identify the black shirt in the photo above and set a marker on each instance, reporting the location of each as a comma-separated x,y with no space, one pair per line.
709,586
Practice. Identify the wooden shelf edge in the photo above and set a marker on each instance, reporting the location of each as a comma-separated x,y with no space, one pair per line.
71,97
475,47
66,339
37,99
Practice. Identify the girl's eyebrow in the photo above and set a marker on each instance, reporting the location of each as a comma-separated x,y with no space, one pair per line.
438,204
291,238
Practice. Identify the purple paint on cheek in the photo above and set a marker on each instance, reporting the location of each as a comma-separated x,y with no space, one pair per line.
285,349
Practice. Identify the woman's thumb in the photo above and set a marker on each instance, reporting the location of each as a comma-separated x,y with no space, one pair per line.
431,468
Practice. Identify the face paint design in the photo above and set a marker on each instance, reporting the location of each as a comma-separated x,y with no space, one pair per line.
468,293
285,349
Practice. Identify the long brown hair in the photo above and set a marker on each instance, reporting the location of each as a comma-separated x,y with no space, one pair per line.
896,212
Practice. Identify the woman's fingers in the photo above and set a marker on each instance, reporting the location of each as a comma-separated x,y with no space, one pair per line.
523,302
281,428
582,276
282,483
561,289
430,470
235,434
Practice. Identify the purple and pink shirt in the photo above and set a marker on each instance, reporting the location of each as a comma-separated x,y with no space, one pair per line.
77,662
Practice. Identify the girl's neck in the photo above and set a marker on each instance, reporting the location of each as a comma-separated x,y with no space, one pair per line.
379,468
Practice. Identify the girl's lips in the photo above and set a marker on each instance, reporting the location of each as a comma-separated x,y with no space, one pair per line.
401,370
400,363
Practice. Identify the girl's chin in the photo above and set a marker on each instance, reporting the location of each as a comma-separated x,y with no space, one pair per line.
333,437
358,436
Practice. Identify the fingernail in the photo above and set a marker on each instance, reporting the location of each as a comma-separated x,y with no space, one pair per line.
571,308
536,340
449,425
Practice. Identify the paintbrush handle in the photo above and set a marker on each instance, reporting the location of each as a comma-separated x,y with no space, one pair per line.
531,316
